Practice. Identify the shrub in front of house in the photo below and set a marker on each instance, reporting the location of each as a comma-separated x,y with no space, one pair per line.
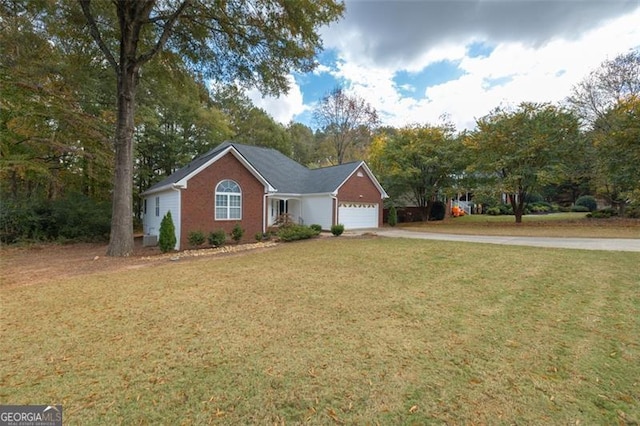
580,209
393,216
337,229
217,238
500,209
167,239
587,201
633,211
316,227
603,214
237,232
196,238
540,207
293,232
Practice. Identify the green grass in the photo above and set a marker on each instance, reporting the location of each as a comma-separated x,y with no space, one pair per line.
547,225
337,330
550,217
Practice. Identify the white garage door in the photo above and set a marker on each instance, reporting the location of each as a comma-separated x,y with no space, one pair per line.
358,215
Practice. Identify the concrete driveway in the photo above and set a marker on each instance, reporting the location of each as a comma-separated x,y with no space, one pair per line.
610,244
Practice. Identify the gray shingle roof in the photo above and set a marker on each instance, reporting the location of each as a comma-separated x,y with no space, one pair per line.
284,174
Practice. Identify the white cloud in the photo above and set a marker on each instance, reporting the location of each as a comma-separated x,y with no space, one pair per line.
556,44
543,72
283,108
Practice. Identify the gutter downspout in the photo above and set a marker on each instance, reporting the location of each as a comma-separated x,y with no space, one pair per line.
265,213
177,189
334,197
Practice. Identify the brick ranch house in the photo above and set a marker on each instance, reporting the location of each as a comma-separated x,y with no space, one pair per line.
254,186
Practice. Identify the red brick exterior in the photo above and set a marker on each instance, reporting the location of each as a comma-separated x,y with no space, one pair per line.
198,200
360,189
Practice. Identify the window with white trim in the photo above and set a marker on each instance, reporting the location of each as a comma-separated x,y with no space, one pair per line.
228,201
157,206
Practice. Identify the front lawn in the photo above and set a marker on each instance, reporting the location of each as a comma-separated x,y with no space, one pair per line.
335,331
568,225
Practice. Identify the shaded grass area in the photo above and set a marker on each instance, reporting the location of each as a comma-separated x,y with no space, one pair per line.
354,331
568,225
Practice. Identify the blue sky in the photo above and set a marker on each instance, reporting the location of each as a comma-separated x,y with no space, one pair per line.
416,61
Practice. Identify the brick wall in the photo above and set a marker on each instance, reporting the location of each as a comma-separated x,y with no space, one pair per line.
198,200
361,189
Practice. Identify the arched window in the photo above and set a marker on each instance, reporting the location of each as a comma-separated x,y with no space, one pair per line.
228,201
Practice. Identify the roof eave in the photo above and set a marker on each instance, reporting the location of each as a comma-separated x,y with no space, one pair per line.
169,186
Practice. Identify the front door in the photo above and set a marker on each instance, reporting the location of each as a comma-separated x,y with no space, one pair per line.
278,208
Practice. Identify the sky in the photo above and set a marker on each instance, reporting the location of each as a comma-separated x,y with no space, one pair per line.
425,61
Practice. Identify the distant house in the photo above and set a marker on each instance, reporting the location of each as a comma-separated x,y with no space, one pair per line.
254,186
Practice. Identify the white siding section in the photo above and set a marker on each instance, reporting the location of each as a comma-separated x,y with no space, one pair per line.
318,209
295,210
169,201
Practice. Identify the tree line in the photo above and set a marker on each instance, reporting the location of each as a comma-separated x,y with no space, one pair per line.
589,144
100,100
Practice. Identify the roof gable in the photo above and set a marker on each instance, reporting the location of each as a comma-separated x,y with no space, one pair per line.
278,172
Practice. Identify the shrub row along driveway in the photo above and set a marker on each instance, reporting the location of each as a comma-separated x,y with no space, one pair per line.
610,244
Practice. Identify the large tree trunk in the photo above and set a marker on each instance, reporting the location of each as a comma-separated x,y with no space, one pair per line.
517,203
121,238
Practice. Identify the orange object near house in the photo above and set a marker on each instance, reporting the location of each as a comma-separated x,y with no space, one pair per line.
457,211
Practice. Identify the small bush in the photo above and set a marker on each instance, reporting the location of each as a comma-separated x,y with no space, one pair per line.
540,207
500,209
337,229
217,238
316,227
506,209
196,238
293,232
633,211
578,209
587,201
167,239
392,220
263,236
533,198
237,232
603,214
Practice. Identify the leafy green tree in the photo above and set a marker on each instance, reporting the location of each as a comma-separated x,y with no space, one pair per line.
260,129
302,143
519,150
53,129
617,144
256,43
176,121
418,162
605,100
251,125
